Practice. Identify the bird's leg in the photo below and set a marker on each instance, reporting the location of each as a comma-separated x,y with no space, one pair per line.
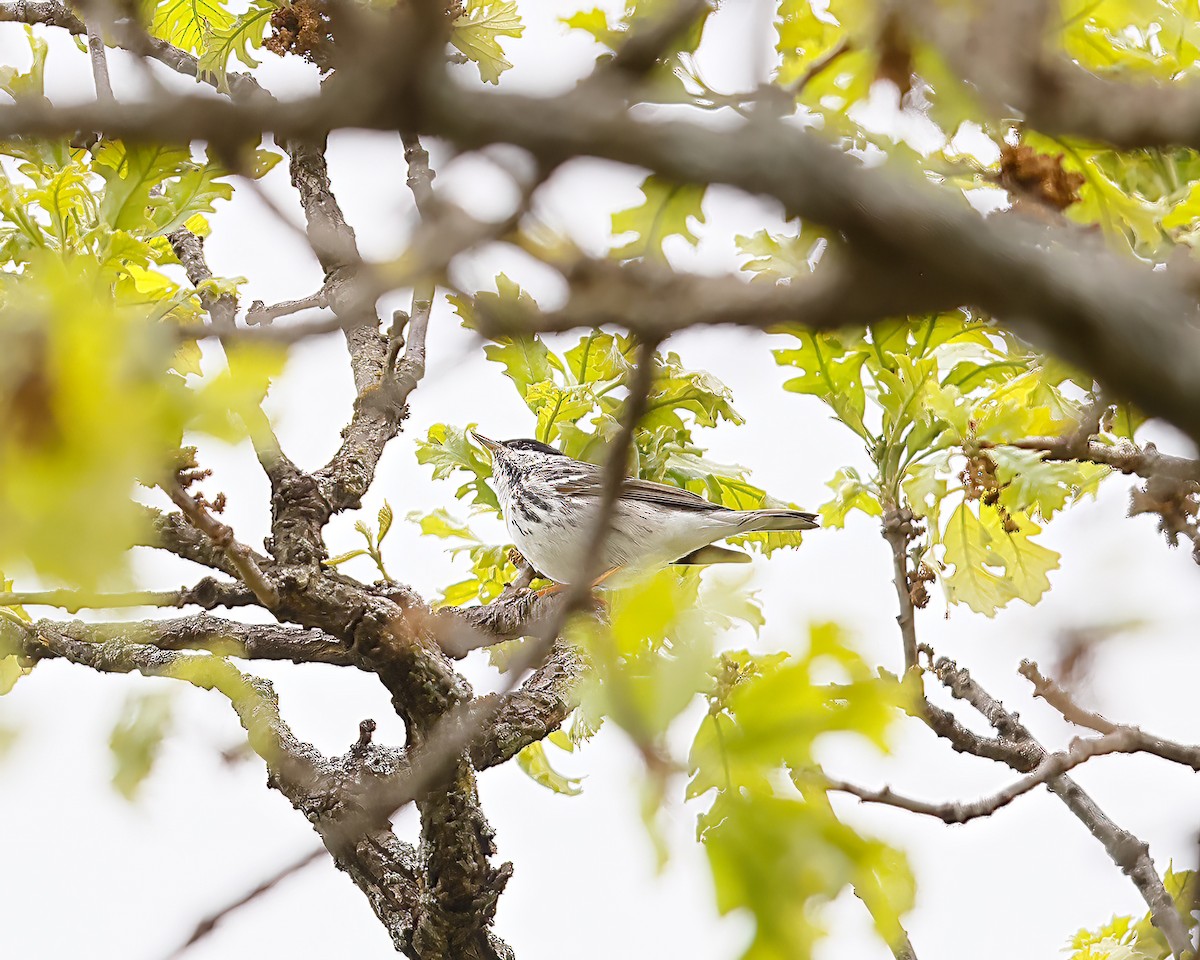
606,575
525,575
556,587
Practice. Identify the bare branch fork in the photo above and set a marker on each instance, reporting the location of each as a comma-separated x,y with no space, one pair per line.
1018,748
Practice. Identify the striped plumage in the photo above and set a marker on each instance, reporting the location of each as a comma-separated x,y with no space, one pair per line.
548,498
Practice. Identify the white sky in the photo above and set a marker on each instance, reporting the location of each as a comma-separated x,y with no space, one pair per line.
84,873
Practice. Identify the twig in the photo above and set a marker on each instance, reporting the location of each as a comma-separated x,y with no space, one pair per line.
1125,740
899,531
225,638
259,313
1060,700
281,335
99,57
223,539
1143,461
209,923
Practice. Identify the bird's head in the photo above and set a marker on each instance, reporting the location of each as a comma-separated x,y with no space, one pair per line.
515,451
515,460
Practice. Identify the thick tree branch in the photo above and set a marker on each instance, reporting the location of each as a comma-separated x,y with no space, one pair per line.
654,302
533,711
1144,461
225,638
324,790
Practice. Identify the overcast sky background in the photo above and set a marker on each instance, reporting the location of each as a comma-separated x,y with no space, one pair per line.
84,873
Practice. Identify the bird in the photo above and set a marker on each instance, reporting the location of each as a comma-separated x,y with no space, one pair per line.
547,499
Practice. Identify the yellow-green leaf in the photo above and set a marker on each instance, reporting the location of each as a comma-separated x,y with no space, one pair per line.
992,565
477,34
534,762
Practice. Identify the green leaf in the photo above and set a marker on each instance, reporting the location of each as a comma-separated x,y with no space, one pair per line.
236,39
830,368
448,450
534,762
556,405
31,85
601,358
185,22
992,565
196,190
476,34
343,557
665,212
441,524
131,174
137,738
1123,938
850,493
385,520
1032,484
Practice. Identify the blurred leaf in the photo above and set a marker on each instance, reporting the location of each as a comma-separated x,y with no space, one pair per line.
665,212
136,739
439,523
230,405
774,257
779,858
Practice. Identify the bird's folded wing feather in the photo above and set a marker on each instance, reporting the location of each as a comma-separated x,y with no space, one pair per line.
590,484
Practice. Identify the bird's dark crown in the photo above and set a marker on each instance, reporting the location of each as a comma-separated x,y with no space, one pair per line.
532,445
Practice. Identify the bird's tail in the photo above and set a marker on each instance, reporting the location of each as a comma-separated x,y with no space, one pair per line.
752,521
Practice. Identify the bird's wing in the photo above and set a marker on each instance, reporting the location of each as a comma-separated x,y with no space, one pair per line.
590,483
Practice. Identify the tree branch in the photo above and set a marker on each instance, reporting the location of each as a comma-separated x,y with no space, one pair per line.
532,712
207,593
1127,851
1121,740
224,638
244,560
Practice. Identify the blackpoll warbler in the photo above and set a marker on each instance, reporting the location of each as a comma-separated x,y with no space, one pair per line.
548,500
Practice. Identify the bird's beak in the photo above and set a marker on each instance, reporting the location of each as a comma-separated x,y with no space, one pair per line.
491,446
